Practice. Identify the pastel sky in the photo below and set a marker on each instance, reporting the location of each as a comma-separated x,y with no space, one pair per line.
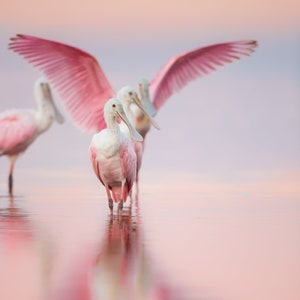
244,117
141,16
231,139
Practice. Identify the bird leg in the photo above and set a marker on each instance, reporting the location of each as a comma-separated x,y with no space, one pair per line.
10,184
130,197
111,204
10,177
137,184
110,200
120,205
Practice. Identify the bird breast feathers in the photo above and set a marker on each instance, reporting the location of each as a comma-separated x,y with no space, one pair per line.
107,145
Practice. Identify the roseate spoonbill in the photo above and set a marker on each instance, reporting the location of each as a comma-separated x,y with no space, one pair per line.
112,154
84,88
19,128
129,97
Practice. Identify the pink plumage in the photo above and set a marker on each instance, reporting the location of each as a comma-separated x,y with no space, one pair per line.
75,74
129,163
84,87
112,154
19,128
17,132
128,169
183,68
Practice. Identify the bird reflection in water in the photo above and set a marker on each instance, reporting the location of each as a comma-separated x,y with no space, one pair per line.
118,267
23,258
123,269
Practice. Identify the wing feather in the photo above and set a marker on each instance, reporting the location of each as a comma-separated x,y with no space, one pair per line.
74,74
183,68
128,163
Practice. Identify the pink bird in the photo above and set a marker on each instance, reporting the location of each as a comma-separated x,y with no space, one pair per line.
19,128
129,97
84,87
180,70
112,154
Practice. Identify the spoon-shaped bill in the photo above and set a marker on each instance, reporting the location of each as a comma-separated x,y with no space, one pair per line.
133,133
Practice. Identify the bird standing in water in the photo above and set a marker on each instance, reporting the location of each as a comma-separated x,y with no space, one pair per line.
128,98
84,88
112,154
19,128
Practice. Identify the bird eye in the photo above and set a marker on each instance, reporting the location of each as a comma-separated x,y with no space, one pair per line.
114,105
130,93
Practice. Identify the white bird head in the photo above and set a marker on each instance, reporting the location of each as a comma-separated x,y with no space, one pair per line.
128,96
145,98
43,95
113,108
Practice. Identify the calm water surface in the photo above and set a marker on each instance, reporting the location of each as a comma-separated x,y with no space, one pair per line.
197,239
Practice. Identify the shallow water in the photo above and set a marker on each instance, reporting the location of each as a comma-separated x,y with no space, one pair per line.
197,239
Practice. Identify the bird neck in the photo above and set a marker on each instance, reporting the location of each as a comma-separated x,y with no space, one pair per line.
112,125
44,116
128,112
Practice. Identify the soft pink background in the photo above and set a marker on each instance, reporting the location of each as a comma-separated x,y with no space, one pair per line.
245,116
226,160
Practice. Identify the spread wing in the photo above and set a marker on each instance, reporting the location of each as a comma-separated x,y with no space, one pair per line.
183,68
74,74
95,165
